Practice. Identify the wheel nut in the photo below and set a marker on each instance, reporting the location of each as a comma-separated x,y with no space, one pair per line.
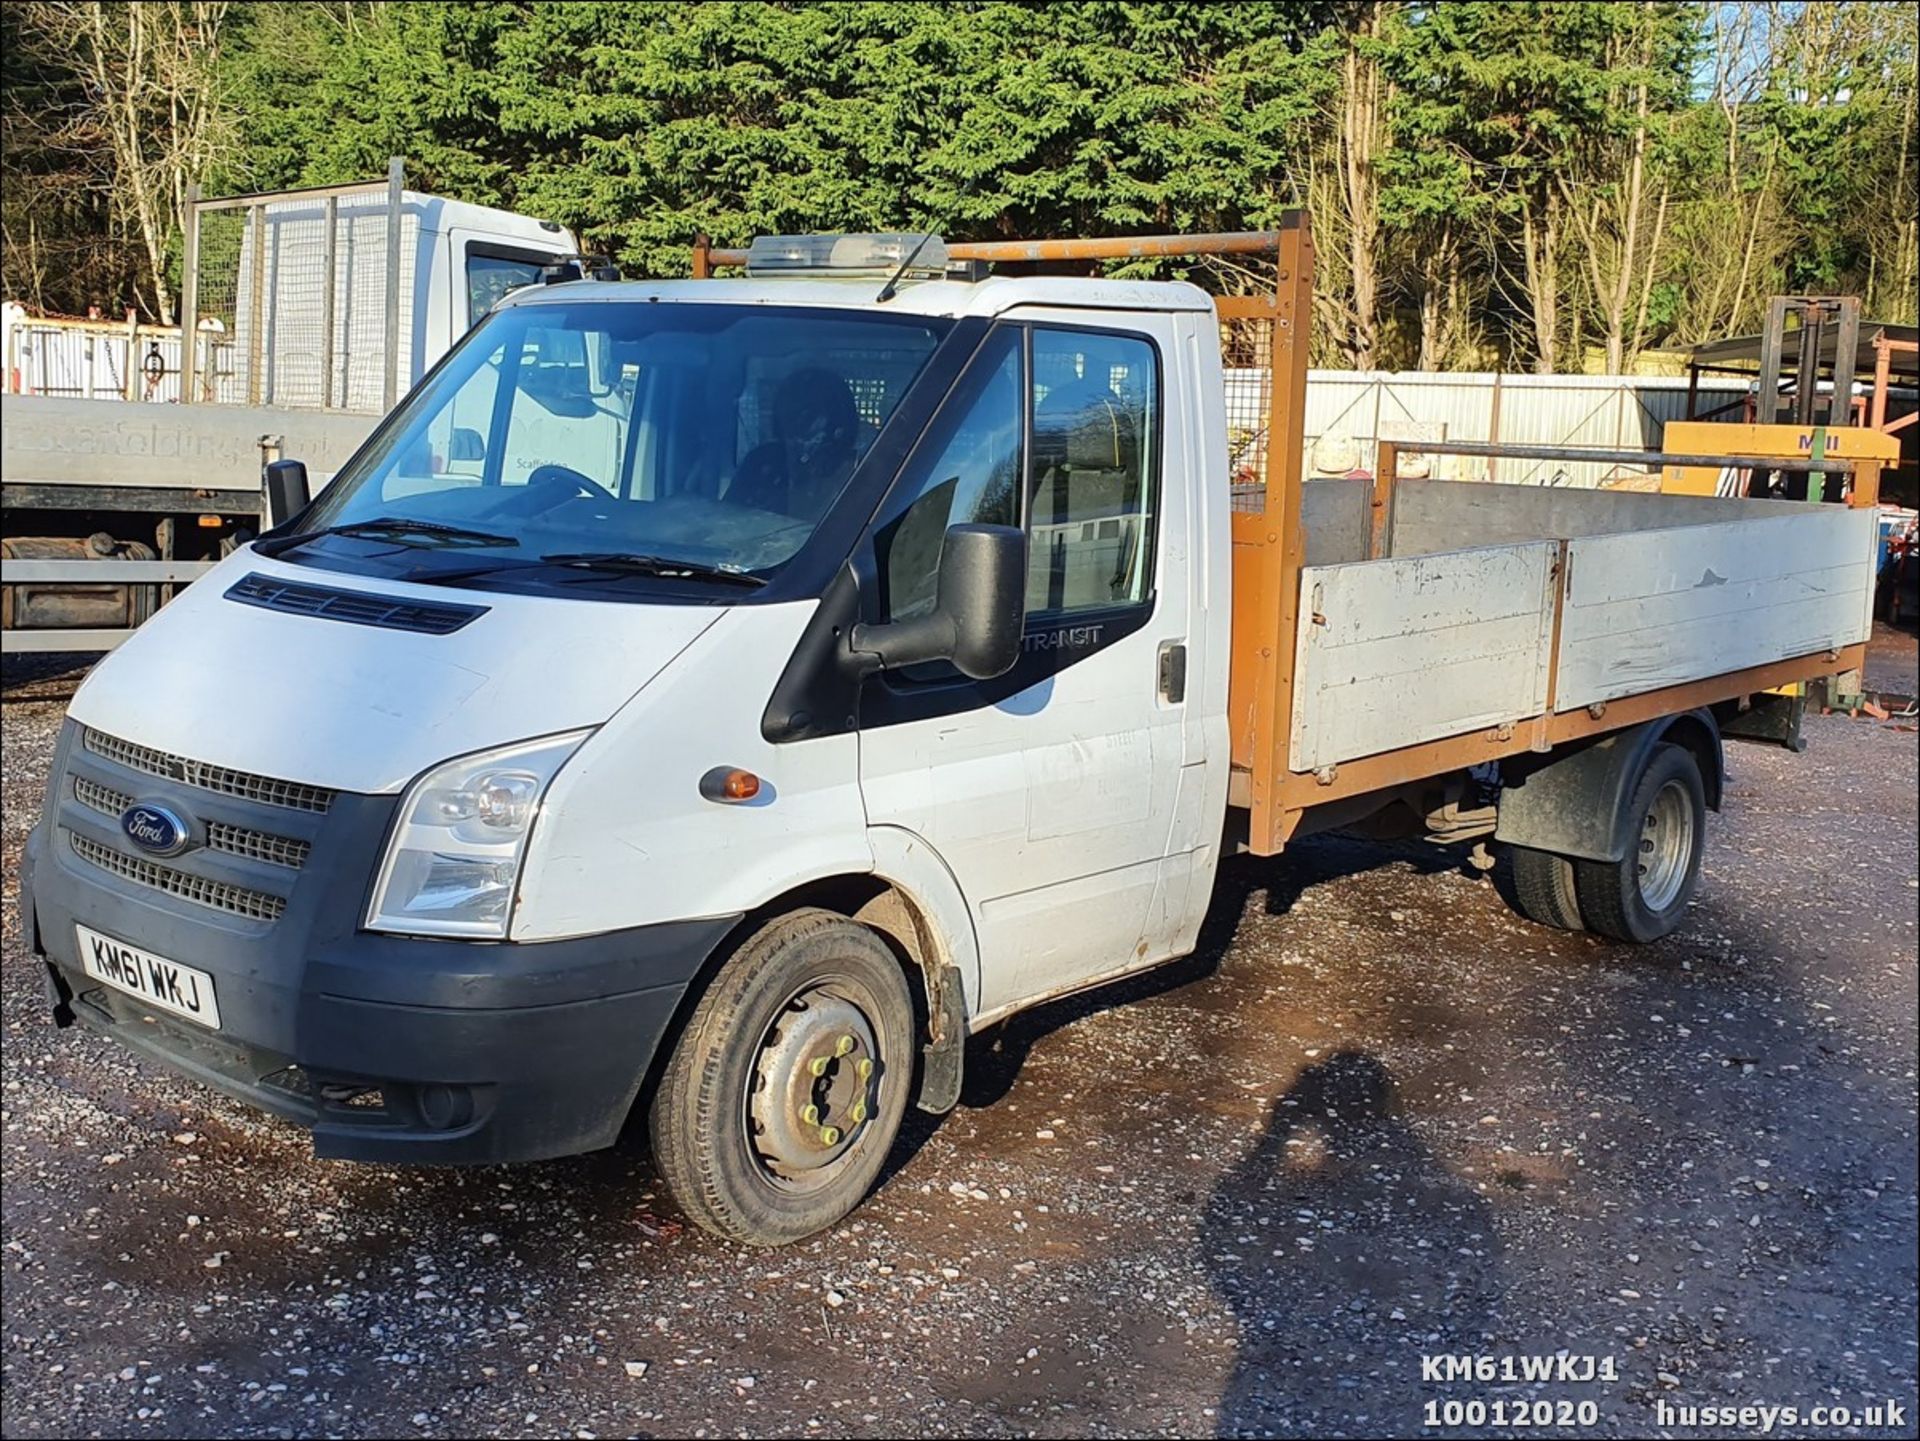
864,1069
829,1135
811,1115
818,1066
846,1045
858,1113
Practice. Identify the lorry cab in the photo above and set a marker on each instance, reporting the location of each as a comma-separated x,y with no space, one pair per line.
777,677
310,317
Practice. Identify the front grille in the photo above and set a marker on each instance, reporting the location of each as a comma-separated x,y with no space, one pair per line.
220,895
234,840
358,607
257,845
294,795
104,799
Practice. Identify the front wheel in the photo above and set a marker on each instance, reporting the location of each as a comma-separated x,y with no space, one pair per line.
780,1101
1643,895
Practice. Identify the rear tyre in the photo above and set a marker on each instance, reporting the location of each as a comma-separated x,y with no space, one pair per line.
1544,889
1643,895
781,1099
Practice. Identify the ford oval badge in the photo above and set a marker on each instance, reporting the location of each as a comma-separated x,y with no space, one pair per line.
155,828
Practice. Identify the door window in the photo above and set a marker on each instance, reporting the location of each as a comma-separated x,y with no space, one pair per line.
1095,462
491,275
967,470
1090,473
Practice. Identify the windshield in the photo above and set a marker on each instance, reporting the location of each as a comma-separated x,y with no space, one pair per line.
717,436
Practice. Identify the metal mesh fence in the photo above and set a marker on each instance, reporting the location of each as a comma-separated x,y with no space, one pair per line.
219,372
1246,356
291,301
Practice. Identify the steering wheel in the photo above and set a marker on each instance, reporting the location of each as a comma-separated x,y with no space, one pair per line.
550,474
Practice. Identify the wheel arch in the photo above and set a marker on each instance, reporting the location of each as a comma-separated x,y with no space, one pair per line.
925,925
1572,801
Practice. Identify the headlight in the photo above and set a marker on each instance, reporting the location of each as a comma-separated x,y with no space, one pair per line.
454,860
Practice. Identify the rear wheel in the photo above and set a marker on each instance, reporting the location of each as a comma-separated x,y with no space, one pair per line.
1544,889
1643,895
784,1094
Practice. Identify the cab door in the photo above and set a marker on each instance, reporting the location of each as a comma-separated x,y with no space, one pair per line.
1050,792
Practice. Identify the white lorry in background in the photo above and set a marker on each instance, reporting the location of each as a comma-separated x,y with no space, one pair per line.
711,701
313,311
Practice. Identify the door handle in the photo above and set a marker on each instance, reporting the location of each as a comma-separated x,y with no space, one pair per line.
1173,671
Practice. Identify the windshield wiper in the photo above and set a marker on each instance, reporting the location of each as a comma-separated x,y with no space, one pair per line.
467,572
631,563
395,526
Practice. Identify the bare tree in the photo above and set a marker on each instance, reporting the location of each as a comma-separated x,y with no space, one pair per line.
1541,241
150,120
1363,136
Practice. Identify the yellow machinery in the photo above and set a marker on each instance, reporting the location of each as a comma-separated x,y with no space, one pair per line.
1800,442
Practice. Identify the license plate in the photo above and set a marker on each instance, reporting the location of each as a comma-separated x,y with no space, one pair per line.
169,985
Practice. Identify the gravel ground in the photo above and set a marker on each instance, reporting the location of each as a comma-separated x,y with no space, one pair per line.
1377,1117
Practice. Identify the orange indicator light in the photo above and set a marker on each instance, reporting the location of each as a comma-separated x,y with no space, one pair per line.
729,785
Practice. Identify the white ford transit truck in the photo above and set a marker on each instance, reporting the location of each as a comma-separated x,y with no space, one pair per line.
710,701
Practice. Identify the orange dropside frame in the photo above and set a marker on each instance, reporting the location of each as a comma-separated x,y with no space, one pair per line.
1269,553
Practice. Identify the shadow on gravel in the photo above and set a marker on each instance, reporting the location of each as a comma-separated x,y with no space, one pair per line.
995,1057
43,676
1337,1234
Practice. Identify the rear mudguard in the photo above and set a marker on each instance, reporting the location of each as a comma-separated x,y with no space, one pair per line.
1572,801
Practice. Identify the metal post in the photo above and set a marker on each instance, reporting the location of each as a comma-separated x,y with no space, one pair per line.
1767,397
326,302
1286,506
1813,334
1386,472
1882,374
129,384
396,188
1846,349
190,301
1493,426
257,326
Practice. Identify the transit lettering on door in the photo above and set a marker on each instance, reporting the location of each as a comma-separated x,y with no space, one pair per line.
1066,637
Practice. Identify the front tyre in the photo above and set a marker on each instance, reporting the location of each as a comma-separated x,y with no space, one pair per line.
1643,895
779,1103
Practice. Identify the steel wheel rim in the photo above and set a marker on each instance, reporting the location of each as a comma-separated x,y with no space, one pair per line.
805,1060
1665,847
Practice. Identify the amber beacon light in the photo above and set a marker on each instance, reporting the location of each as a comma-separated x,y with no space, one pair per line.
729,785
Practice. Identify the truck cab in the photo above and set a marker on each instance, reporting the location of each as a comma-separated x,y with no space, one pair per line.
307,323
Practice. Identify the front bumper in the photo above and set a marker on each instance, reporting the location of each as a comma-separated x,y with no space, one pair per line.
388,1048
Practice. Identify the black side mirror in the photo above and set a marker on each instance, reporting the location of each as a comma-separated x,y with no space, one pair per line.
979,609
287,491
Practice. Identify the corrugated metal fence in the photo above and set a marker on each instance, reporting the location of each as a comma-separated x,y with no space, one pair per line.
1350,412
